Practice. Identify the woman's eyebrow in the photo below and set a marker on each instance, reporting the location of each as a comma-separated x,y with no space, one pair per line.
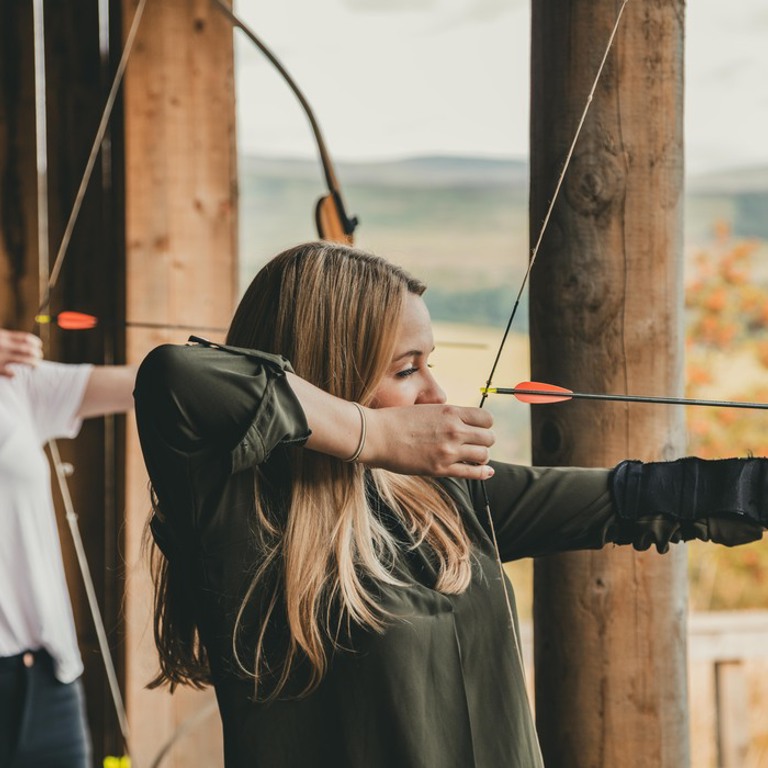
411,353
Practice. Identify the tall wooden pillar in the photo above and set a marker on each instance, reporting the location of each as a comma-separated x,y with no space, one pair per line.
181,267
605,317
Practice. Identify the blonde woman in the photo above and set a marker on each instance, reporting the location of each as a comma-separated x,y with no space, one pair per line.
325,558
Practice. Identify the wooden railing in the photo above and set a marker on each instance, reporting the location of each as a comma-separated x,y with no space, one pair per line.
727,687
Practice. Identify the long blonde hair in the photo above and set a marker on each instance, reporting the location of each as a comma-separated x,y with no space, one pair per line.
333,311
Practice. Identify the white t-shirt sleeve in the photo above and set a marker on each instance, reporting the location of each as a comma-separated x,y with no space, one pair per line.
55,392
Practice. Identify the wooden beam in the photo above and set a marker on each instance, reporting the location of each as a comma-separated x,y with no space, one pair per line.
181,265
606,297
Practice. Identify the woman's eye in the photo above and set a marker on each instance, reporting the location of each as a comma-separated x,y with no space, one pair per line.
407,372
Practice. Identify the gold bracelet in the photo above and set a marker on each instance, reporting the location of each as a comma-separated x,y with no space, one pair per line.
363,431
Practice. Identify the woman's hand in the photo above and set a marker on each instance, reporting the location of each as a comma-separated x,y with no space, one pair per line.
430,439
18,347
436,440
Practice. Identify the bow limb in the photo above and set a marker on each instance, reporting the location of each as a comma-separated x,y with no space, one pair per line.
331,217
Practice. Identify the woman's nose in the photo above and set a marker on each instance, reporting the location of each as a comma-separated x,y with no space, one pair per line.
432,393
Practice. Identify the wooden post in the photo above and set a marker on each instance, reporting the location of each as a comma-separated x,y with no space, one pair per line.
732,714
181,265
605,317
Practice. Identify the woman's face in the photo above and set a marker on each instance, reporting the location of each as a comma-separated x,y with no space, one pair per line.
409,380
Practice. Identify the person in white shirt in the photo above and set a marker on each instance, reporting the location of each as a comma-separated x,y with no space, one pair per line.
42,718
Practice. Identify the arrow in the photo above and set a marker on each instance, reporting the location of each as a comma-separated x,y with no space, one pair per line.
540,393
69,321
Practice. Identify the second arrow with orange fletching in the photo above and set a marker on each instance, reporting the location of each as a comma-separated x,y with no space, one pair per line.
69,321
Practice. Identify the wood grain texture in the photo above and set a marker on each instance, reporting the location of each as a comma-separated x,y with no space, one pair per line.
181,197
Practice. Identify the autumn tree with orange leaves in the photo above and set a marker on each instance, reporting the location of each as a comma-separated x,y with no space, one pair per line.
727,358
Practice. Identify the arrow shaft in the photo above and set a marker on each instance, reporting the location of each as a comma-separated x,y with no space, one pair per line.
631,398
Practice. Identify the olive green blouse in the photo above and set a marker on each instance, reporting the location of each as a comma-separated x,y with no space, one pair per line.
443,685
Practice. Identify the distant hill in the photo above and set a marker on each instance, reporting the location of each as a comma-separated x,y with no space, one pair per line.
460,223
425,171
738,196
734,181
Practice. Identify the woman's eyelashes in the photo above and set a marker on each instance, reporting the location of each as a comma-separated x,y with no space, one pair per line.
411,370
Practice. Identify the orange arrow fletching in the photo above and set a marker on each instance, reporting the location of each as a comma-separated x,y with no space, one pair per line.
76,321
524,388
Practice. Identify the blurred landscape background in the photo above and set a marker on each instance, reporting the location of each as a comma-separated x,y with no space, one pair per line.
460,224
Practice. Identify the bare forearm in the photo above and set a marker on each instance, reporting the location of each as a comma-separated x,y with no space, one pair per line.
437,440
109,390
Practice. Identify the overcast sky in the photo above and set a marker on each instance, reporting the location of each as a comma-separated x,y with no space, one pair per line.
395,78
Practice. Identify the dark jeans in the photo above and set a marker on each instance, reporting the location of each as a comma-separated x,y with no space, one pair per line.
42,721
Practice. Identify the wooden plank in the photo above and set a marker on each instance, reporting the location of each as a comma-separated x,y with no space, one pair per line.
727,635
181,266
722,635
732,720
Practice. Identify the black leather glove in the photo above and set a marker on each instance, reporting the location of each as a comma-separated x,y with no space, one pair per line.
724,501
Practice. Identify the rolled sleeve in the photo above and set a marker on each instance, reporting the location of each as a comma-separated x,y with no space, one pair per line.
205,413
199,400
279,420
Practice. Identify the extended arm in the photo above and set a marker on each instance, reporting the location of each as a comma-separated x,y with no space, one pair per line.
540,510
109,390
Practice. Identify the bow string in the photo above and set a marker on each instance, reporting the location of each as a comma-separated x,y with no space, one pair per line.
532,260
